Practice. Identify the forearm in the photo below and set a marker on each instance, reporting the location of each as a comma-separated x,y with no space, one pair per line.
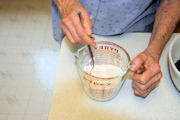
166,19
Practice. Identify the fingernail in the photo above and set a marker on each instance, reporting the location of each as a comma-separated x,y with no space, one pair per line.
89,32
92,38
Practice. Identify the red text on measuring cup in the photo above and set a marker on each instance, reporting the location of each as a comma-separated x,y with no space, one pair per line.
108,48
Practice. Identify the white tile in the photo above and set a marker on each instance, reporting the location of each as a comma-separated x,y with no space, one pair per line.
23,58
15,117
27,69
34,108
23,93
19,69
18,108
32,117
2,52
10,82
7,92
38,93
6,75
4,107
48,81
44,117
1,83
47,103
3,116
28,80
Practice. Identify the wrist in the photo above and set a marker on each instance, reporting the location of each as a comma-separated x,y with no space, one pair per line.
63,5
60,4
154,52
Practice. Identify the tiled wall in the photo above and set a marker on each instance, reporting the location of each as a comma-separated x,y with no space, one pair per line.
28,59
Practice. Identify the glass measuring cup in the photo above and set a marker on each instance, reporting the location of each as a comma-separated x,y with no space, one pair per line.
104,87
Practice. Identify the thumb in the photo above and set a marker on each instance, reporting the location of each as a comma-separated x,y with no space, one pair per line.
137,62
86,22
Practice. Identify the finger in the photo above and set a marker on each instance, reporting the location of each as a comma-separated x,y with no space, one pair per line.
137,93
145,93
71,28
150,89
151,71
87,23
67,33
81,31
86,39
142,88
137,62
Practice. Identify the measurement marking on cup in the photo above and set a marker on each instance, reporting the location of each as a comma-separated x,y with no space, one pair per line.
103,93
90,89
110,91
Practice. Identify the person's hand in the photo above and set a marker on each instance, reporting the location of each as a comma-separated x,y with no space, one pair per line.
77,30
147,73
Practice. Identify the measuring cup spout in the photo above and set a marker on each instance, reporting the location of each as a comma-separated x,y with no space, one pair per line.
77,53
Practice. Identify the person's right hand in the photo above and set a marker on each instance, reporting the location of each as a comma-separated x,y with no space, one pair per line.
77,30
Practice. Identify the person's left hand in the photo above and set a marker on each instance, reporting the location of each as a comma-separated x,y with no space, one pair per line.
147,73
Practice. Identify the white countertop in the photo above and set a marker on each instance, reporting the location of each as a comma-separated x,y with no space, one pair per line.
69,101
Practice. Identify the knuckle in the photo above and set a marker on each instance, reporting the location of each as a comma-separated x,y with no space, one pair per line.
80,33
160,75
64,21
72,14
78,41
143,80
88,42
157,67
142,87
136,92
140,79
73,42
